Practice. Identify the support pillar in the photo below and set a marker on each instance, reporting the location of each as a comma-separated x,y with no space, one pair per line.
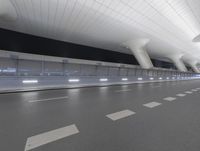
138,48
178,62
193,65
192,62
7,11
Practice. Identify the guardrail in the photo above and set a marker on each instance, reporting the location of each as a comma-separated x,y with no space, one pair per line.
19,73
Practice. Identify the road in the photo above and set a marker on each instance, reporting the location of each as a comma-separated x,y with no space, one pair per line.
138,117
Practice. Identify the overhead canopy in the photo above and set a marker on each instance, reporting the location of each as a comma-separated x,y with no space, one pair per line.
170,25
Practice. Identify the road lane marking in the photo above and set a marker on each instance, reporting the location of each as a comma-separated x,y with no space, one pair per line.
119,115
155,86
181,95
152,104
188,92
194,90
123,90
49,99
169,99
50,136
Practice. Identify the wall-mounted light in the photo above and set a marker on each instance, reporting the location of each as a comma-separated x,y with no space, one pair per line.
160,78
73,80
124,79
103,79
151,78
29,81
140,79
167,78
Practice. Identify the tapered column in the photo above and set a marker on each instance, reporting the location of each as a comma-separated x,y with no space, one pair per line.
192,62
138,48
193,65
195,69
178,62
7,11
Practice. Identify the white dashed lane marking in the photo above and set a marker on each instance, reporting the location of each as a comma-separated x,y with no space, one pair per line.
181,95
127,90
194,90
50,136
119,115
169,99
49,99
155,86
152,104
188,92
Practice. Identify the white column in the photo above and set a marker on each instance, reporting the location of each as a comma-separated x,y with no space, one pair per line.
7,11
193,65
178,62
192,61
138,48
195,69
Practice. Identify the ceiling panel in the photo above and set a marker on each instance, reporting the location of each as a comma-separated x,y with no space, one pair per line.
170,25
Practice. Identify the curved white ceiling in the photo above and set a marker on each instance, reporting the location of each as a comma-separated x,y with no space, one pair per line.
171,25
7,11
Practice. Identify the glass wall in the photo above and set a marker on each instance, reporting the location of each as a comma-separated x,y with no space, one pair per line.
19,67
